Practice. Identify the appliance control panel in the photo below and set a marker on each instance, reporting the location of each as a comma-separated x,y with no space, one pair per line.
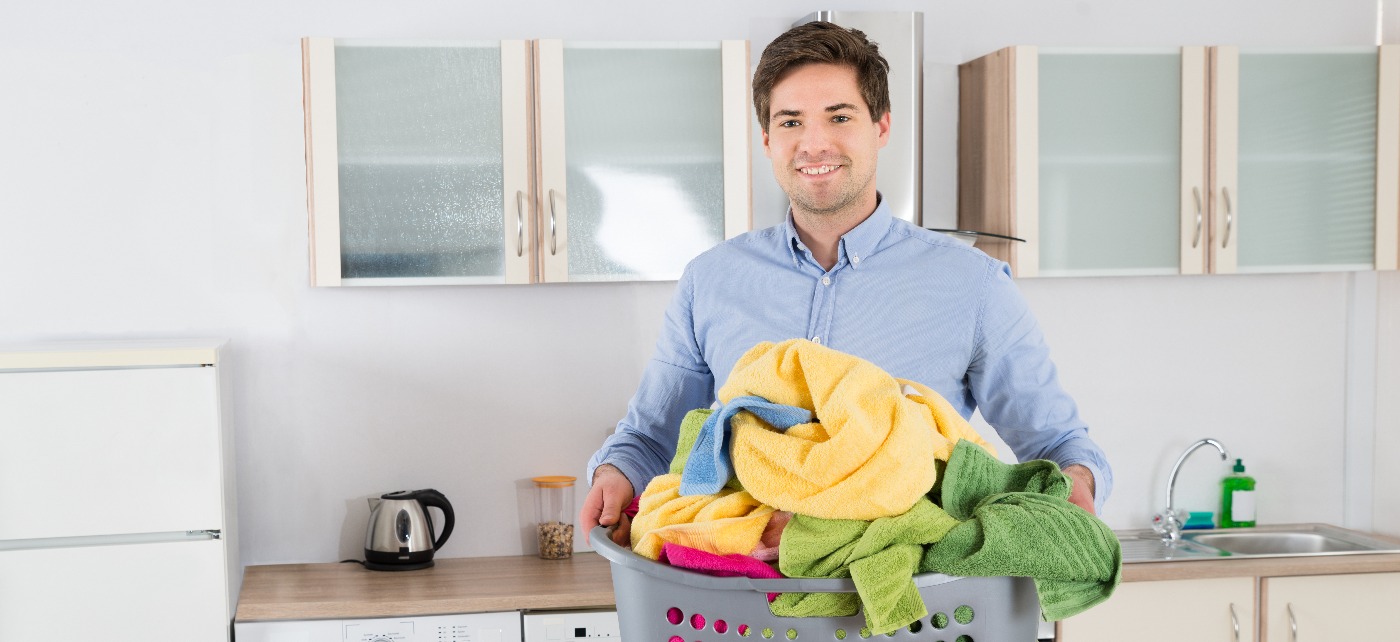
571,626
465,627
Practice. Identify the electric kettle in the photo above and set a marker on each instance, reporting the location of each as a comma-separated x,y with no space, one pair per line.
400,533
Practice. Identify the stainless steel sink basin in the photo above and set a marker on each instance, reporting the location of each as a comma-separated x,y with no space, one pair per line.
1275,543
1282,540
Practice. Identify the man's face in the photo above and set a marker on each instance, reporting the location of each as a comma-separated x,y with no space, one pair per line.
822,141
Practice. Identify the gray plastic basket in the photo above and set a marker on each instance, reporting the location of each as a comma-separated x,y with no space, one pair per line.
661,603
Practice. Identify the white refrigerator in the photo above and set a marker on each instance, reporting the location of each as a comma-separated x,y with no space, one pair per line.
117,511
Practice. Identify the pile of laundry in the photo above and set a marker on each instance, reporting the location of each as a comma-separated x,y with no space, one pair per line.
818,464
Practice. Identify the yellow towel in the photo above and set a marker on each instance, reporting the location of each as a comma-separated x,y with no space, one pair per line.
871,454
728,522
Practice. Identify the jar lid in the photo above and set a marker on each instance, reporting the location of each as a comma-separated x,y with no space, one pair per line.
554,481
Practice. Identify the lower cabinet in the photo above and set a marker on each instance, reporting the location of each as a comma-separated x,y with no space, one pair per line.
1212,610
1318,608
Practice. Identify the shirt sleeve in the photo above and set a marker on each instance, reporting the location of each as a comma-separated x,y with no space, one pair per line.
676,380
1017,388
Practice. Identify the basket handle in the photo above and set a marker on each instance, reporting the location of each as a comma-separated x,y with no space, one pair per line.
603,545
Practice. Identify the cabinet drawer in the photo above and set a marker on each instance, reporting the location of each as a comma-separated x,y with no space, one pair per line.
109,452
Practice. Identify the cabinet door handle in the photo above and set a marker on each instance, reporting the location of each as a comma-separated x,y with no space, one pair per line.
519,223
1229,217
1196,240
553,238
1292,624
1235,621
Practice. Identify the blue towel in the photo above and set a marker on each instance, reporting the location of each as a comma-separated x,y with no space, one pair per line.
709,467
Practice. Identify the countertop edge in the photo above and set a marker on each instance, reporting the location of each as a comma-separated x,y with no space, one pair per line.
1262,567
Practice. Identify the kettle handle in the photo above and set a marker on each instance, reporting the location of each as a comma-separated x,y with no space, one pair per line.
430,497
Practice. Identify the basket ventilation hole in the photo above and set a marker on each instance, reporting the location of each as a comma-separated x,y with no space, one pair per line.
697,621
767,633
939,620
964,638
677,638
916,626
963,614
721,626
792,634
840,634
744,630
674,615
864,632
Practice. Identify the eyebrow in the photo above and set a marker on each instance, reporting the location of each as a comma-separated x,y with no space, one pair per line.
784,113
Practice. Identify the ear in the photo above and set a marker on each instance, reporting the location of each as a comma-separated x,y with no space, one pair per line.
766,150
882,128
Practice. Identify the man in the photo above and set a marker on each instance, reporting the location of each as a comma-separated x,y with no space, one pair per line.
841,271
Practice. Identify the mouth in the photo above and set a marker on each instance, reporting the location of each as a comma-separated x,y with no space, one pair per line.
817,170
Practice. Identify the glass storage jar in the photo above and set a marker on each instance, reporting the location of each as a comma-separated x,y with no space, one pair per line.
555,502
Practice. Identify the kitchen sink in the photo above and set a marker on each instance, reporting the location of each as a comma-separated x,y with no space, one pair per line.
1284,540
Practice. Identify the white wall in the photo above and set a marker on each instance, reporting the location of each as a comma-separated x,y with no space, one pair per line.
151,155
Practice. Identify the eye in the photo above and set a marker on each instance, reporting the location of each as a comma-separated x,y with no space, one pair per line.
841,118
788,123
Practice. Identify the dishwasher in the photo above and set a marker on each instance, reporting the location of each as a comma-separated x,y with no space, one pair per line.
464,627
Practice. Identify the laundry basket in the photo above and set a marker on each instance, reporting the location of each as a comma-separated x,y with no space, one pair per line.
661,603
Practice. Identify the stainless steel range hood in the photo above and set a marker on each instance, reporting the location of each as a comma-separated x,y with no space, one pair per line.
900,35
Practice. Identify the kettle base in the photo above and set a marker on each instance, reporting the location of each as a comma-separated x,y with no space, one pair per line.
414,566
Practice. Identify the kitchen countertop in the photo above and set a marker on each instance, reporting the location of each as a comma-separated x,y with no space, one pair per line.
452,585
479,584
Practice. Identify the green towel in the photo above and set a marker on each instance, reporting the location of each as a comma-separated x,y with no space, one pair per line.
880,556
1019,523
689,432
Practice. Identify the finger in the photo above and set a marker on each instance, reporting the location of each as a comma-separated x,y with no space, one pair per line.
612,509
622,534
589,514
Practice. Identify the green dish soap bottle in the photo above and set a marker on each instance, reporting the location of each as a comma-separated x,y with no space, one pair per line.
1237,500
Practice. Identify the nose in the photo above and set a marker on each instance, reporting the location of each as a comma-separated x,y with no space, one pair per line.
816,139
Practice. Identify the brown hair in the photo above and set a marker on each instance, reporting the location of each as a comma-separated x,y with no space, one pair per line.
822,42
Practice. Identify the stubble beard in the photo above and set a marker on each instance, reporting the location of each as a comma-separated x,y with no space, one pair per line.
847,192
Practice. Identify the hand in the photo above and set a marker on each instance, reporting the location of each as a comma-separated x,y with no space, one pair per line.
610,494
1081,490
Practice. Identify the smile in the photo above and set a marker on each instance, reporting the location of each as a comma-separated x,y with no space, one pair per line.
820,169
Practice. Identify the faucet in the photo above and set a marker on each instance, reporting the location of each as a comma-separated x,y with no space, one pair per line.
1168,522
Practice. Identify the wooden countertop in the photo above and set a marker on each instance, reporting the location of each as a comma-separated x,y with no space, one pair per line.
452,585
479,584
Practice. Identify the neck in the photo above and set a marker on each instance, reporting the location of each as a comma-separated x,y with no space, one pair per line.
822,232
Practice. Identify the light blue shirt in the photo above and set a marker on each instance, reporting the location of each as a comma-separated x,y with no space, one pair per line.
918,304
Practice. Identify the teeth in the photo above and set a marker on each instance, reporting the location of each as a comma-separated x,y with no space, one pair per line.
818,170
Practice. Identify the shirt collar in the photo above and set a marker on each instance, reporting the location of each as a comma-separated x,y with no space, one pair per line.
856,244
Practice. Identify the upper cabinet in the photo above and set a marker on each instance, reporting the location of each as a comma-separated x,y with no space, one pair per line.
519,161
1182,161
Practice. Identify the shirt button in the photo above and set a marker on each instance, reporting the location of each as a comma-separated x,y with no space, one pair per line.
826,280
855,259
817,340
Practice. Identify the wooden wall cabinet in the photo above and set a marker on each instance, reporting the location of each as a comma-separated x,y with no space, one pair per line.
1182,161
522,161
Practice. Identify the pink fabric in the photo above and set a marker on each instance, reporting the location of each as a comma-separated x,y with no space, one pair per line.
718,565
767,549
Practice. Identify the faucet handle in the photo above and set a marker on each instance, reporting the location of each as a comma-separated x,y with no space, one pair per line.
1168,523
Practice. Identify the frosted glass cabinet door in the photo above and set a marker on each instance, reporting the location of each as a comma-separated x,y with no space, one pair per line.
1306,161
1110,143
638,156
419,161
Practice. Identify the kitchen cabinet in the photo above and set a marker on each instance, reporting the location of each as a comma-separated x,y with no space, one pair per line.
117,482
1182,161
520,161
1207,610
1329,607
